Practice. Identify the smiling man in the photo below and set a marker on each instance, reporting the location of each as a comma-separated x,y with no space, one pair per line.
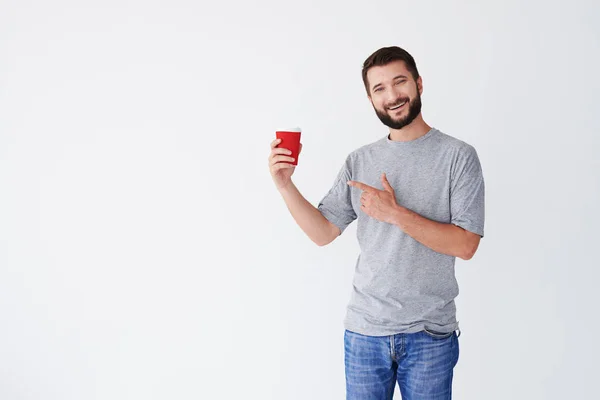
418,197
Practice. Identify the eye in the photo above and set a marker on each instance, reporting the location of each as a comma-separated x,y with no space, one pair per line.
400,81
379,89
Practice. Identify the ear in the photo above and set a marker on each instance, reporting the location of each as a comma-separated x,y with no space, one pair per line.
420,85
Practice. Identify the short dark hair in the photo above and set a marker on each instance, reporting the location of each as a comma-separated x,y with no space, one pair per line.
386,55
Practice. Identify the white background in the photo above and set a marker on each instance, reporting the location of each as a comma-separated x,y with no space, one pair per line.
146,254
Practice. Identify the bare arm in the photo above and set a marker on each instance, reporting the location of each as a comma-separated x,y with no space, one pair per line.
444,238
308,217
441,237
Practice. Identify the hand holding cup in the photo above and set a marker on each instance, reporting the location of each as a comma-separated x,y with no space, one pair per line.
283,160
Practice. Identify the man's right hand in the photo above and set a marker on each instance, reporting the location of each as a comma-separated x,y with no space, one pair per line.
281,171
307,216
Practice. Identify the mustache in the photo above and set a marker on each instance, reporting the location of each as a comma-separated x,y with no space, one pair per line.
399,101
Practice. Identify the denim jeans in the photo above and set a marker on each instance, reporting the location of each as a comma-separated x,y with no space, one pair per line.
422,363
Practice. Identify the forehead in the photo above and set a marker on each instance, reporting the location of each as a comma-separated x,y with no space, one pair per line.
384,73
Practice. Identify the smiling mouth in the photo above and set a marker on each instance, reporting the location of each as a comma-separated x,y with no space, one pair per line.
399,106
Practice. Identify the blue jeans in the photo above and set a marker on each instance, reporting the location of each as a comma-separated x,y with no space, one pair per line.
421,362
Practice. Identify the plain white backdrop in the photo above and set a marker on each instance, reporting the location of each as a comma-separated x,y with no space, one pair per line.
146,254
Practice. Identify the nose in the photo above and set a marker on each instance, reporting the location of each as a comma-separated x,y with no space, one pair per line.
392,96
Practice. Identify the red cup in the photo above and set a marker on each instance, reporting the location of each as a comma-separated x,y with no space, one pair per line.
290,139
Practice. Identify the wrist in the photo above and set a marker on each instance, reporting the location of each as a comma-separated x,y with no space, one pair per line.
399,216
283,190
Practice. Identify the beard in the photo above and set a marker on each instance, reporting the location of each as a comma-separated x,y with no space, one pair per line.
414,109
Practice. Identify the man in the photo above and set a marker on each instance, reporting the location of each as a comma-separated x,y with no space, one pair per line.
418,197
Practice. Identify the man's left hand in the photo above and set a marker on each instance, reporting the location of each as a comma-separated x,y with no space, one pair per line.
379,204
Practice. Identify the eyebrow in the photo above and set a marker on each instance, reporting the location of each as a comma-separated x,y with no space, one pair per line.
396,77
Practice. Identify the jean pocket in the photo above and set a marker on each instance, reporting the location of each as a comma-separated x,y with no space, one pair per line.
436,334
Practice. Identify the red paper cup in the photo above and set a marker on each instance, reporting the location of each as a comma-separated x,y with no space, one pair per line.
290,139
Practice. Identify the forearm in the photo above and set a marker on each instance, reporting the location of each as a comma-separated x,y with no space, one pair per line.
307,216
441,237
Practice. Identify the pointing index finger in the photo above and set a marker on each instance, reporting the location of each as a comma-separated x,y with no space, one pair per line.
361,186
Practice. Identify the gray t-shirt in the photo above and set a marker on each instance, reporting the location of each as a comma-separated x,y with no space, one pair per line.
401,285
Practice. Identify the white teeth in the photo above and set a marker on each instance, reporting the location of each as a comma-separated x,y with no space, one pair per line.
399,105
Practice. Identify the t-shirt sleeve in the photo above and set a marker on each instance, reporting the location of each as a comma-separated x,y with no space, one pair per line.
336,205
467,192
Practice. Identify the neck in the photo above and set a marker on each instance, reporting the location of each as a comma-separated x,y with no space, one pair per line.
412,131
